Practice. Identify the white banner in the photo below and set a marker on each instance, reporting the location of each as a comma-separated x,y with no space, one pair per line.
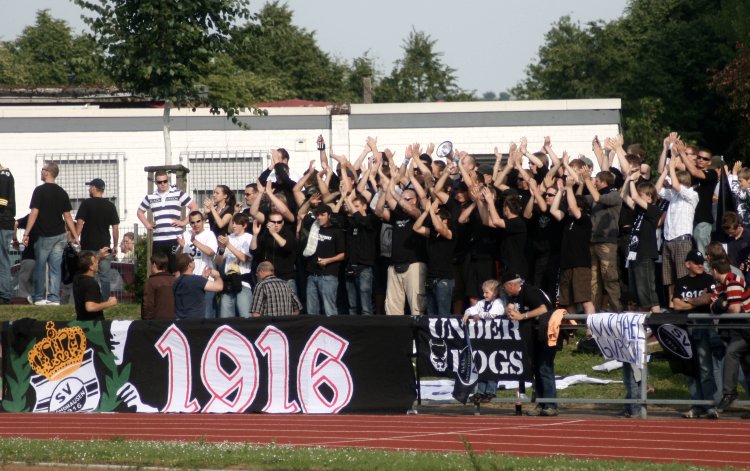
620,337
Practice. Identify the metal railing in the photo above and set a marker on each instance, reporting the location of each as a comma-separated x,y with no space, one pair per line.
644,400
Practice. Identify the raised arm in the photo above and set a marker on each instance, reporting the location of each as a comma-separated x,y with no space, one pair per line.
555,208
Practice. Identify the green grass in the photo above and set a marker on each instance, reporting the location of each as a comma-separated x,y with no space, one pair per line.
196,455
245,456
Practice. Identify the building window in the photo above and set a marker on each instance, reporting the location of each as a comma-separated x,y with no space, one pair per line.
234,169
77,169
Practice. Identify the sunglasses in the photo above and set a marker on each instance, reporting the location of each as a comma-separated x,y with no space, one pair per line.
276,222
705,159
161,182
551,195
196,222
248,194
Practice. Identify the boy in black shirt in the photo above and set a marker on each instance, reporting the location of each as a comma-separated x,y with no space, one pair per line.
86,293
692,294
323,263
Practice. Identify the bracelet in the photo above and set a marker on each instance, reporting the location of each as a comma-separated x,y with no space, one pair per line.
525,315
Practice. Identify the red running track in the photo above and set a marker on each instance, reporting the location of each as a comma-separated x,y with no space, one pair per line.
699,442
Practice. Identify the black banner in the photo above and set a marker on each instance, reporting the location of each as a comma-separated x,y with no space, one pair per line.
275,365
501,347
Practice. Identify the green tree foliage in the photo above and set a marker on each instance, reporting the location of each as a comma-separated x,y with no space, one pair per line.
48,54
659,58
420,75
283,53
165,50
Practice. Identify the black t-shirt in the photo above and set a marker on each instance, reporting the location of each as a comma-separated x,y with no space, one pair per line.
222,230
483,239
85,288
440,253
647,248
689,287
461,232
98,215
330,243
705,188
407,245
544,232
512,246
529,299
575,250
51,201
282,258
739,249
362,237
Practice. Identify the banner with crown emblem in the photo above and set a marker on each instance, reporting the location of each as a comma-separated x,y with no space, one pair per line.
297,364
500,347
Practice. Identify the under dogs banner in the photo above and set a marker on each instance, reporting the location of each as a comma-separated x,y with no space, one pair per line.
500,347
274,365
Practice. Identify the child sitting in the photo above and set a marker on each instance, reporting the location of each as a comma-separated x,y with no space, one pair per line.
488,308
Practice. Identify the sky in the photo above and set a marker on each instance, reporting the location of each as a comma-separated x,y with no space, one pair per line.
488,42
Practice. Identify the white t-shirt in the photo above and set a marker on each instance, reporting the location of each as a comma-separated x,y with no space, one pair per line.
201,260
486,310
241,243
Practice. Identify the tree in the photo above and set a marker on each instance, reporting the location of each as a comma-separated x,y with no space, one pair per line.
658,58
47,53
274,48
420,75
733,82
163,50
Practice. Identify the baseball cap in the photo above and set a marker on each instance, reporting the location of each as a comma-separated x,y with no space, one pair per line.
96,182
696,257
509,275
587,161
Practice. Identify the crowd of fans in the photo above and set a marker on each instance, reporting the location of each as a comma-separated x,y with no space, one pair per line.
436,233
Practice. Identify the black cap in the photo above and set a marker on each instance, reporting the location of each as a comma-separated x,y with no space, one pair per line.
509,275
96,182
696,257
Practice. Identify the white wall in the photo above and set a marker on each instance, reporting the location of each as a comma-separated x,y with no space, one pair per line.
18,150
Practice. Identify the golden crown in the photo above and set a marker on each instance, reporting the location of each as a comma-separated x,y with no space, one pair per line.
60,353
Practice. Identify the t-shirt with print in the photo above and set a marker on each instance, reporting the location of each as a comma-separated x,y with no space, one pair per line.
330,243
201,259
691,287
242,243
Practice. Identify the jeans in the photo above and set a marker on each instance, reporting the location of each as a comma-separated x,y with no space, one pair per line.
487,387
703,387
642,281
632,389
359,292
734,358
237,304
48,252
26,278
544,373
103,276
439,296
702,236
292,284
6,288
210,305
321,287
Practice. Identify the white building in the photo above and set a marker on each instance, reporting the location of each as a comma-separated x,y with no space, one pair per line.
115,144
